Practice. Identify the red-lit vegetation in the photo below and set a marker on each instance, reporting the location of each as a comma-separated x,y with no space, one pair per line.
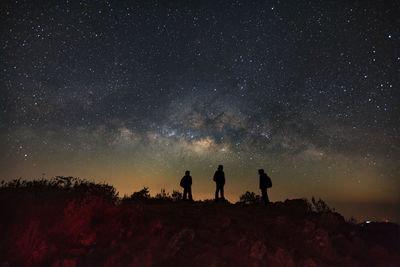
71,222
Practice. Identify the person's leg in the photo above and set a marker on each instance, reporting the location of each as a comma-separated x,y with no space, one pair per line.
216,193
266,197
190,193
184,193
222,192
263,193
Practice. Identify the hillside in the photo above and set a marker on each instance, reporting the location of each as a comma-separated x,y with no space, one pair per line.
69,222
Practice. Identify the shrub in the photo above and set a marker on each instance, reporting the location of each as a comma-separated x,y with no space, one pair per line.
299,206
163,195
141,195
59,187
320,206
250,198
176,195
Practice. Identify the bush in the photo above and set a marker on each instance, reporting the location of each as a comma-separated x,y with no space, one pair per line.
250,198
320,206
163,195
176,195
141,195
59,187
299,206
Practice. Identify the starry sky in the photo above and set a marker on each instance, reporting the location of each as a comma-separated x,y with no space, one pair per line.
134,93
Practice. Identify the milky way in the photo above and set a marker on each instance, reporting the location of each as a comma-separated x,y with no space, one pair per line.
136,93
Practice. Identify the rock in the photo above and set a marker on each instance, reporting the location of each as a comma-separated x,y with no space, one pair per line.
258,250
178,241
309,263
331,220
281,258
65,263
208,258
142,259
226,222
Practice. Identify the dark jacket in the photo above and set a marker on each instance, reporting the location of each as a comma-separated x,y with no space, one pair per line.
219,177
265,181
186,181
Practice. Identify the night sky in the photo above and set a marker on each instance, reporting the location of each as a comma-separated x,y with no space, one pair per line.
136,93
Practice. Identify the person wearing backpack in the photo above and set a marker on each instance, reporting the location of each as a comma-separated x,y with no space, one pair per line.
265,182
186,183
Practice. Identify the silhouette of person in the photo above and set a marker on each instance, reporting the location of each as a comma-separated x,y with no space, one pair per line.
186,183
265,182
219,179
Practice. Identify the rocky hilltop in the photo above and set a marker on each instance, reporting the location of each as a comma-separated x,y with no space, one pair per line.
67,222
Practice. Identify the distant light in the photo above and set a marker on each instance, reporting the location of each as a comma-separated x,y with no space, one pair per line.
386,221
367,221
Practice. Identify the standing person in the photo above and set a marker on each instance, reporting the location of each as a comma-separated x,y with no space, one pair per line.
186,183
219,179
265,182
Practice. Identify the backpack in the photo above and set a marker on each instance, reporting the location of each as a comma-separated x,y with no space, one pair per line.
268,182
